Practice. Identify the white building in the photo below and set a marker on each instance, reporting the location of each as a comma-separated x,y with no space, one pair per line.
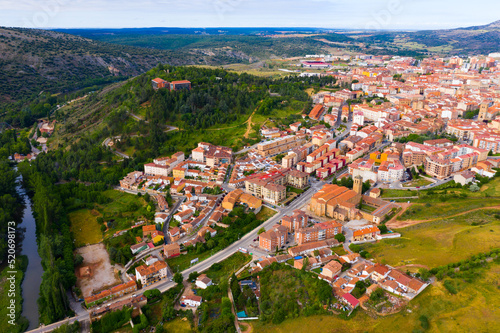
191,300
203,281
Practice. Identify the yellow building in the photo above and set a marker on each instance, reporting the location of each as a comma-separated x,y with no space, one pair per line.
178,172
378,157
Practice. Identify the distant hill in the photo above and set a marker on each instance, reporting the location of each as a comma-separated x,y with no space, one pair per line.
468,40
41,60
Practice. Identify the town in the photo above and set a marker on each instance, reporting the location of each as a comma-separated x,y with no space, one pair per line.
400,124
307,200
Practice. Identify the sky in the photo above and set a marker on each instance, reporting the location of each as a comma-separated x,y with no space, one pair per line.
345,14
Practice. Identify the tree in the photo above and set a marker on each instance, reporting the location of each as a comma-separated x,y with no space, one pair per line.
169,313
152,293
305,263
178,278
474,188
193,276
261,230
382,228
78,260
340,237
424,274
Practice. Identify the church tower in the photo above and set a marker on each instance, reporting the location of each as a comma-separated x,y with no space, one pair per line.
358,185
483,111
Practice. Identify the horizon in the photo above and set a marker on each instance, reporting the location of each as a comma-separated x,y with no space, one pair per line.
390,15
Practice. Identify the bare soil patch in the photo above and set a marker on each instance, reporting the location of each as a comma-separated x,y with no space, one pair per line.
96,273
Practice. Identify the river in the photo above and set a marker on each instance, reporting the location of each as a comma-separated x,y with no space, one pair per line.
34,271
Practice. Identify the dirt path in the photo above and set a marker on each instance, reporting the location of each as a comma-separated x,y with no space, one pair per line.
249,125
412,265
249,328
402,224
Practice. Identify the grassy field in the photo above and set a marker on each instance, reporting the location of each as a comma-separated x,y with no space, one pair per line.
123,208
387,193
177,326
417,182
85,227
428,210
440,242
265,213
476,308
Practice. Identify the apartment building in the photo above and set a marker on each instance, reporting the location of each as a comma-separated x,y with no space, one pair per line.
148,275
296,221
163,166
271,186
276,237
437,167
319,232
212,155
280,145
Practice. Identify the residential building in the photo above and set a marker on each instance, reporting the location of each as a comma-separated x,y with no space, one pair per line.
276,237
171,250
296,221
148,275
203,281
366,233
318,232
191,300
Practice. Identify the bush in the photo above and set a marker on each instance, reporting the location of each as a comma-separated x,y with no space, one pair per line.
450,286
340,238
424,322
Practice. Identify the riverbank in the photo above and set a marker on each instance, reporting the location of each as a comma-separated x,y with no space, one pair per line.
11,320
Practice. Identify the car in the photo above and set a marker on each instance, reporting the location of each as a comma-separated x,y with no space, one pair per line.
256,239
418,186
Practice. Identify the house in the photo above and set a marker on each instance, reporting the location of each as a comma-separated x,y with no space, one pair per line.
171,250
266,262
161,217
148,229
367,233
159,83
157,236
380,272
136,248
203,281
350,258
205,230
192,301
464,178
350,300
174,234
332,269
179,85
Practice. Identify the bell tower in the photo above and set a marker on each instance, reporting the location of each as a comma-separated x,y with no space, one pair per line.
358,185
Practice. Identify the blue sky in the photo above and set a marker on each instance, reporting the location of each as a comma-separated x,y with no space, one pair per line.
353,14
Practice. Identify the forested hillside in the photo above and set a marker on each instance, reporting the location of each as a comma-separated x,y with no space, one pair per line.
36,61
219,99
